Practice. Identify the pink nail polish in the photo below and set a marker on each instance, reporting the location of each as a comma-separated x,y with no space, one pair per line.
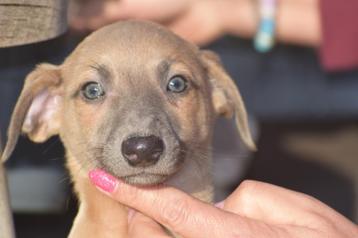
102,180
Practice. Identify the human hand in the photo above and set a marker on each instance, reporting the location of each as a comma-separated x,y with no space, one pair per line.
199,21
255,209
92,14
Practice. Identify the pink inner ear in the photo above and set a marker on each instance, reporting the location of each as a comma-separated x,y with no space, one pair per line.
42,110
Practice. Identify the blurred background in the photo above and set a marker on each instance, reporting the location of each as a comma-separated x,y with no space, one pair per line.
301,97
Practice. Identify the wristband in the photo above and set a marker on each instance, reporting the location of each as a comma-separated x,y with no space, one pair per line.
265,36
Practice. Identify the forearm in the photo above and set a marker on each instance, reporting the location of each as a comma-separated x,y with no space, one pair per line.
297,21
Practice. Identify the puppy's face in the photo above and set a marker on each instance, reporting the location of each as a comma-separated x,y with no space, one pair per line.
132,99
135,106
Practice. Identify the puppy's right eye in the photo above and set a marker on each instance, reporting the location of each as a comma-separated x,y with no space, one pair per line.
92,91
177,84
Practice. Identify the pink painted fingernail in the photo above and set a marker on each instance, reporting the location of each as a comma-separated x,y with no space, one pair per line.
102,180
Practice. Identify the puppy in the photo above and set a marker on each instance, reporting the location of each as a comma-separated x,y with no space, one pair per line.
137,101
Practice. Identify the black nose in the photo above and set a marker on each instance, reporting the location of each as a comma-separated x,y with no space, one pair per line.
142,151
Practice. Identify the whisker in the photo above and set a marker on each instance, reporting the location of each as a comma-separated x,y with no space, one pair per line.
51,145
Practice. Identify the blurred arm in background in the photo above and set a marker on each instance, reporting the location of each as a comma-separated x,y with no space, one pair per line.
202,21
327,25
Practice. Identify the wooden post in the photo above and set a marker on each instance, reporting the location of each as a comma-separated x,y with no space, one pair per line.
29,21
25,22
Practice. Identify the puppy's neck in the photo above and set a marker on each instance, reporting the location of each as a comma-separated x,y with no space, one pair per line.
101,216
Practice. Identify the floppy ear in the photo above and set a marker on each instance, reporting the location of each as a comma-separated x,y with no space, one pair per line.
226,98
36,111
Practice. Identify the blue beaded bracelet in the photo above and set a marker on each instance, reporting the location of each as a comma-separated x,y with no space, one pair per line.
265,36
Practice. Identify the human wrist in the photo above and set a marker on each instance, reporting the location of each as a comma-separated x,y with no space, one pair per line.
240,18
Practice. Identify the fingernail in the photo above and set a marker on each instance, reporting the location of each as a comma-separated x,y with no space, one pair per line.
102,180
220,204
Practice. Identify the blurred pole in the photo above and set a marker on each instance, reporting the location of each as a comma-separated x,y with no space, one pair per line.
6,223
29,21
25,22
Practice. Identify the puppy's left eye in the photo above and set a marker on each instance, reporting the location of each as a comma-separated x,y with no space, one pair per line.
177,84
92,91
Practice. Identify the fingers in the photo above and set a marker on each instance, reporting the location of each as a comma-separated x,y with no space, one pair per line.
181,213
190,24
153,10
140,224
91,15
277,205
270,203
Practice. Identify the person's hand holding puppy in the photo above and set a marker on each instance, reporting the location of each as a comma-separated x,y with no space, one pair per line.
203,21
200,22
255,209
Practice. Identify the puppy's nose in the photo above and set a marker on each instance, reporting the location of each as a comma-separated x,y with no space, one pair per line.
142,151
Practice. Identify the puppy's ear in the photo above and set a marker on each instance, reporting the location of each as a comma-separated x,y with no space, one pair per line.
226,98
37,110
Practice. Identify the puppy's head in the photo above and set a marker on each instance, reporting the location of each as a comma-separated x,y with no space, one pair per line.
133,99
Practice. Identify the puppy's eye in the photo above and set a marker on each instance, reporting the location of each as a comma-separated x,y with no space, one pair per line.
92,91
177,84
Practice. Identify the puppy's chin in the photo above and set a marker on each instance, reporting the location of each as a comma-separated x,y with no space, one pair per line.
145,179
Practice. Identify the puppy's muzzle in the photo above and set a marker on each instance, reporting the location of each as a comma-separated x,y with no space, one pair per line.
142,151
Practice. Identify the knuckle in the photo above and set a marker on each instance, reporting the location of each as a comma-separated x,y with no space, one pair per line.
129,194
242,201
175,214
245,191
248,186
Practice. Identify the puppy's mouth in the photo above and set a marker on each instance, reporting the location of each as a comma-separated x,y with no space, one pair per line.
145,178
